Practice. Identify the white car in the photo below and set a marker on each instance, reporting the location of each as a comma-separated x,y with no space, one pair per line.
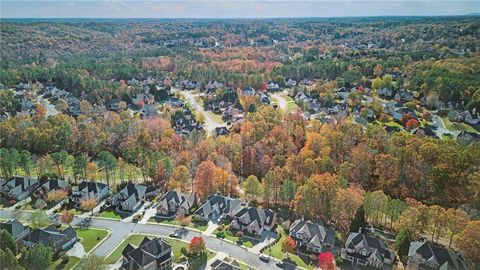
264,257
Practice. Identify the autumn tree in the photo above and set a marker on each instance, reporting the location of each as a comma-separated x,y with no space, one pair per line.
456,220
196,246
206,179
252,187
57,195
89,204
347,205
288,245
469,240
326,261
182,178
67,216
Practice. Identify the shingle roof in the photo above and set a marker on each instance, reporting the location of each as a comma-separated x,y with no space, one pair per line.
13,227
437,255
225,205
148,251
371,244
261,216
317,233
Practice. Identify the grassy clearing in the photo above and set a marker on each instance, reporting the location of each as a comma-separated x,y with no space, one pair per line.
453,126
276,251
215,117
91,237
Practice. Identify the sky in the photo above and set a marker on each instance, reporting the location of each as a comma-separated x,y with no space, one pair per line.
232,8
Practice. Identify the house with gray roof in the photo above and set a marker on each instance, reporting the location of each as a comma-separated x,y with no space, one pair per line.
155,254
19,188
218,206
16,229
314,237
225,264
176,203
53,238
254,220
365,250
50,185
424,255
132,196
88,190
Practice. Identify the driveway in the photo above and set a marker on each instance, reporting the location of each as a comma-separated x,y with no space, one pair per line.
120,230
281,101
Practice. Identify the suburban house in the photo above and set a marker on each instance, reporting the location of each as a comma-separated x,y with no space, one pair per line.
132,196
211,85
248,91
148,111
88,190
16,229
423,255
19,188
225,264
50,185
467,138
254,220
174,202
221,131
218,206
365,250
154,254
52,237
175,102
272,86
314,237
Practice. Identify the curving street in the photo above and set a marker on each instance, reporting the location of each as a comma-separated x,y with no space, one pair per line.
120,230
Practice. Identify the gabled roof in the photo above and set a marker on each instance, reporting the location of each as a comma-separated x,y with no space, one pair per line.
148,251
372,245
318,234
53,184
88,186
50,235
224,204
13,227
225,264
260,216
18,185
436,255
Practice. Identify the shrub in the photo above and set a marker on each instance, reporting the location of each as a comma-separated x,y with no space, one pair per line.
240,234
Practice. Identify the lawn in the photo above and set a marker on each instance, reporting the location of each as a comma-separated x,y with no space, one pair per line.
91,237
215,117
457,126
175,222
109,214
245,241
136,239
72,261
276,251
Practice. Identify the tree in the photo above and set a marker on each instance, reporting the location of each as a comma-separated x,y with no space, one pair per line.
469,240
60,158
288,245
347,203
91,262
359,220
196,246
38,219
79,166
402,243
57,195
25,162
205,182
252,187
108,162
89,204
326,261
8,260
182,176
7,242
456,220
437,220
38,257
67,216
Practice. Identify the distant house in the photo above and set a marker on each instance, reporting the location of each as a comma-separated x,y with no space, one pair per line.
423,255
212,85
19,188
467,138
174,202
218,206
132,196
88,190
254,220
264,99
148,111
365,250
290,82
405,96
248,91
50,185
175,102
155,254
272,86
221,131
385,92
314,237
225,264
115,104
190,85
342,93
52,237
16,229
306,82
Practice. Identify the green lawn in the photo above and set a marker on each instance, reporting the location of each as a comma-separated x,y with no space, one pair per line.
230,236
91,237
276,251
136,239
215,117
109,214
175,222
457,126
72,261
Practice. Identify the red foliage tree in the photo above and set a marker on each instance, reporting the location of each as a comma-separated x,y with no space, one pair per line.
205,182
240,234
411,124
288,245
197,245
326,261
263,86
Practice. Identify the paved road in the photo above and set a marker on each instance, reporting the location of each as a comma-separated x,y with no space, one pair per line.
210,124
120,230
281,101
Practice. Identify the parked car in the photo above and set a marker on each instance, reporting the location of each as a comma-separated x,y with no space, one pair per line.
264,257
174,234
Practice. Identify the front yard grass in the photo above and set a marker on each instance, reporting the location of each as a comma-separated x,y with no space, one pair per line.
91,237
109,214
244,241
175,222
276,251
453,126
72,261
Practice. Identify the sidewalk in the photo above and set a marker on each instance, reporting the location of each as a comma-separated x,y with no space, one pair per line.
211,228
148,214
